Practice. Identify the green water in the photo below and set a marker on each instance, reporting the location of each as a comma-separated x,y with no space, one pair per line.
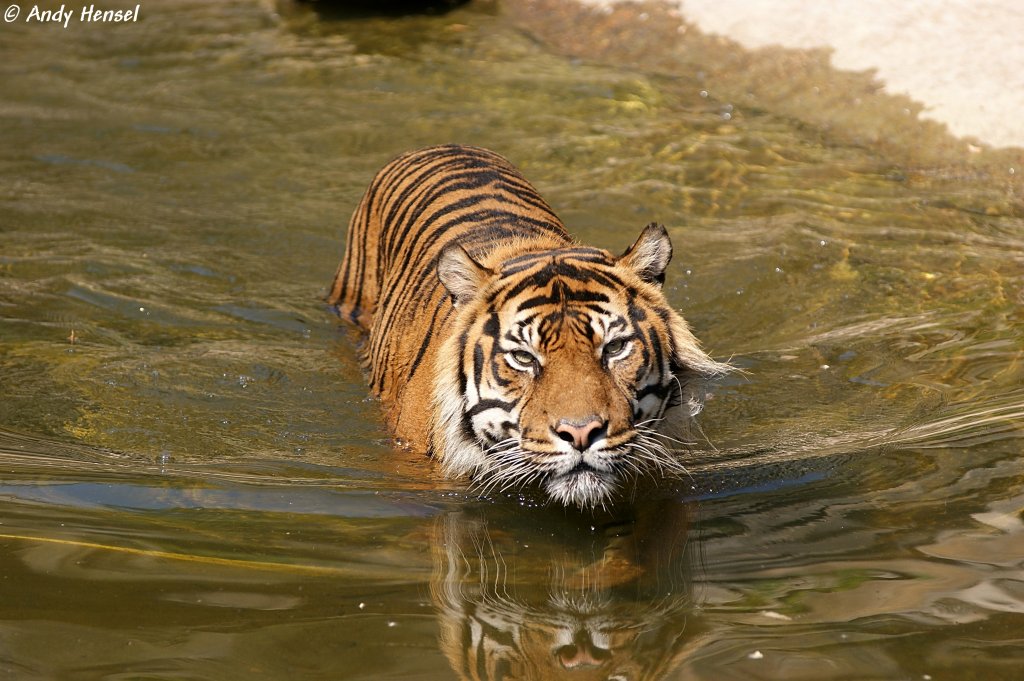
194,484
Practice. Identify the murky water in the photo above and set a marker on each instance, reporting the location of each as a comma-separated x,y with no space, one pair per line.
193,483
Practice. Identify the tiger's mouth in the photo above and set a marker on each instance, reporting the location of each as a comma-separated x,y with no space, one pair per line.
585,479
588,479
583,485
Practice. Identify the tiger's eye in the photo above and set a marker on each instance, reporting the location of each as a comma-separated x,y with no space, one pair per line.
523,357
615,347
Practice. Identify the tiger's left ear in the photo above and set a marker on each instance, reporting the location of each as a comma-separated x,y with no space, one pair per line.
650,254
460,273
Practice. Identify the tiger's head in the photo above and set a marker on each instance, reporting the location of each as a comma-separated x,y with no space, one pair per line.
564,368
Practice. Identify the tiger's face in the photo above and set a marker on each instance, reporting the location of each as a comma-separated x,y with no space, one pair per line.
564,369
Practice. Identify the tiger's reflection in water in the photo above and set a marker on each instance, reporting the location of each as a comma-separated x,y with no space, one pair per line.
562,595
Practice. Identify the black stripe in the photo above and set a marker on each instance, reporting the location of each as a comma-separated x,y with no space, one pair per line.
657,350
478,365
565,295
542,278
656,389
523,262
463,379
506,429
637,314
484,405
492,327
430,332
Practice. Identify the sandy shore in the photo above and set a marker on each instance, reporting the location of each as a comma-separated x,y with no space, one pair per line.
963,60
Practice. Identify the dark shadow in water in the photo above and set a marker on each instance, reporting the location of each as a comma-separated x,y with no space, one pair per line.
399,28
543,593
357,9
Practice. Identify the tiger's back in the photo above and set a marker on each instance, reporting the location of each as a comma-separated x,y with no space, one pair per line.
387,283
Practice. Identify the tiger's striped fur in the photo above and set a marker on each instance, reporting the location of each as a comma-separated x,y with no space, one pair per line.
503,347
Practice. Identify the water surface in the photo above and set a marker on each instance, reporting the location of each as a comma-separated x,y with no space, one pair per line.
194,483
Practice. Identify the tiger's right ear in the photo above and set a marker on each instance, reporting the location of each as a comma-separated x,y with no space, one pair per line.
460,273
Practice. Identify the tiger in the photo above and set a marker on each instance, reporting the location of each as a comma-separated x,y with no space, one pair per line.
506,350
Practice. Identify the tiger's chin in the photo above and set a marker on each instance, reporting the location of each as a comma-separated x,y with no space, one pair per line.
583,487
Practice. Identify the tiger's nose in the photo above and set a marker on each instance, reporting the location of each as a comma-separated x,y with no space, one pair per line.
583,433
